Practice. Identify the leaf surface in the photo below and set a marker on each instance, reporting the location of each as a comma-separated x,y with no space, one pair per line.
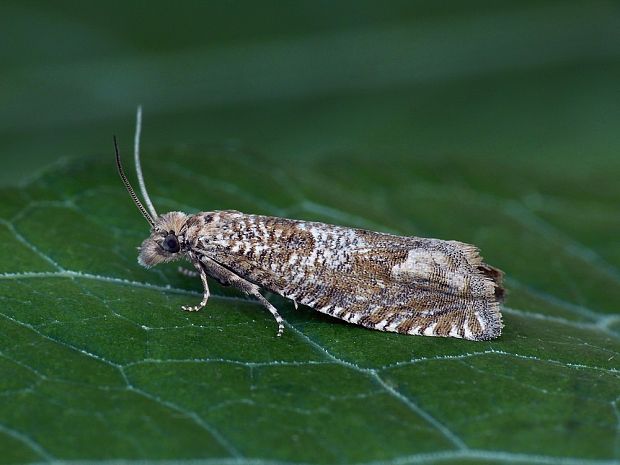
432,129
96,348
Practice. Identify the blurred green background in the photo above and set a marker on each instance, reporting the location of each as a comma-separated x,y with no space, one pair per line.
495,123
502,80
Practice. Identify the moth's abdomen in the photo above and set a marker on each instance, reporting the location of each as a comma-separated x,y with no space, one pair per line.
391,283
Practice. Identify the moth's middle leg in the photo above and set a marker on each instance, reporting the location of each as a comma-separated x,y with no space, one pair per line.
227,277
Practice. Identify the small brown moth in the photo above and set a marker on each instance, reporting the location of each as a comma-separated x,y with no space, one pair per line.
408,285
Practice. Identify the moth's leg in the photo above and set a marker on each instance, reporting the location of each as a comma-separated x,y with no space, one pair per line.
205,295
274,311
188,273
225,276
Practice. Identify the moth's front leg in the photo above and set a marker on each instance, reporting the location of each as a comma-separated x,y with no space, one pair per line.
227,277
205,294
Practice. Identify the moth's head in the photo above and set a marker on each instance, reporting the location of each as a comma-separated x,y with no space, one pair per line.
166,242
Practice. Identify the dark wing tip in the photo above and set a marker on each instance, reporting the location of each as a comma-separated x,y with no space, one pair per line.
497,276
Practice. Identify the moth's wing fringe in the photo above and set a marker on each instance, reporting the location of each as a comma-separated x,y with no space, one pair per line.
472,254
494,322
494,289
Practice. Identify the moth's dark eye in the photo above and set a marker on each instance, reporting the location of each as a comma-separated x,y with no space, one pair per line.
171,244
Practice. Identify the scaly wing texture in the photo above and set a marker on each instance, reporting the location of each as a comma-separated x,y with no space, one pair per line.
391,283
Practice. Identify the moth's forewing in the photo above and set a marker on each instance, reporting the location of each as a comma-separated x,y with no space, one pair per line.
391,283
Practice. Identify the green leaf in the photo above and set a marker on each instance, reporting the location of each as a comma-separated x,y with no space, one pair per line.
494,127
96,351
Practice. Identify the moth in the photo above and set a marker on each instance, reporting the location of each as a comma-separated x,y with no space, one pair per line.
407,285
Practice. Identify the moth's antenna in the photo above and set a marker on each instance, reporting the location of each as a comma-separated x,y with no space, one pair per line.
136,156
133,195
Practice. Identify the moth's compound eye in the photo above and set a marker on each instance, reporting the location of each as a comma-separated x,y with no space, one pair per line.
171,243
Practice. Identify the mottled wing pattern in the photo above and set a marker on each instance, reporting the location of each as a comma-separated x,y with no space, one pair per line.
391,283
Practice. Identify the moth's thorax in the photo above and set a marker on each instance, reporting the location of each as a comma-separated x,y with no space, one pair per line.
152,251
206,226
